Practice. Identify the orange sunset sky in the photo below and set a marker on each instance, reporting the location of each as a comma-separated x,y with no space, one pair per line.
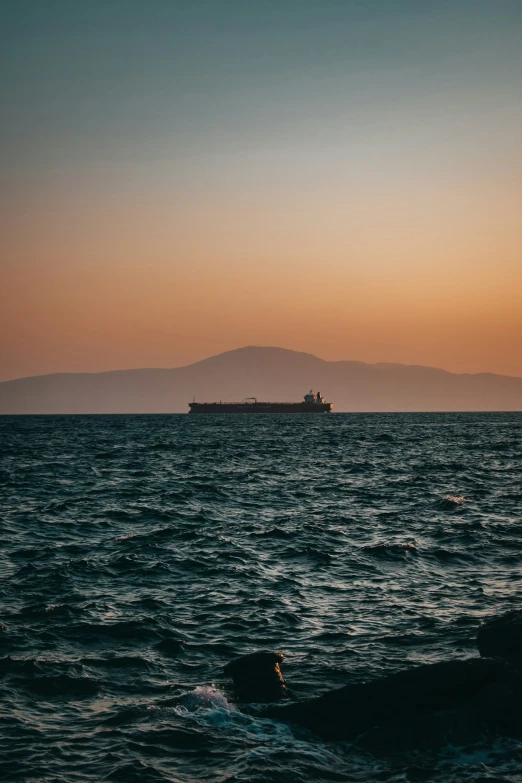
341,178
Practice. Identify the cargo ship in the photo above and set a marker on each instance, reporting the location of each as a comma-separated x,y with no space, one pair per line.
313,403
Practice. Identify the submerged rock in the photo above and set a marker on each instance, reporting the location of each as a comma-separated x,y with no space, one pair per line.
257,676
501,637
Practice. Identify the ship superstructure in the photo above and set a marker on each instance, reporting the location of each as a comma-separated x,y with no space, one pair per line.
313,403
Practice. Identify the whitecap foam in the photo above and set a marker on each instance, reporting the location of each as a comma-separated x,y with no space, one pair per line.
204,697
210,707
455,500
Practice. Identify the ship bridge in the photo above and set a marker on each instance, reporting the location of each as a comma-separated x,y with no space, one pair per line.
314,399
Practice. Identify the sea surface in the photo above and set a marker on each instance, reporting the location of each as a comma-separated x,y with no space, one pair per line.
139,554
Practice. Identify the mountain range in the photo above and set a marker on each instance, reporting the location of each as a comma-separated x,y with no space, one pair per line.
273,374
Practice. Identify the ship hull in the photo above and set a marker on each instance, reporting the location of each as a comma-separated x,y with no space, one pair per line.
259,407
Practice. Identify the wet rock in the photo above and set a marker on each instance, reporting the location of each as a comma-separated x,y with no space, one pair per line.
452,702
426,707
257,676
501,637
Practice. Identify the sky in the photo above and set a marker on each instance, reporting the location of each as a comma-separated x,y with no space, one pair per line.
185,177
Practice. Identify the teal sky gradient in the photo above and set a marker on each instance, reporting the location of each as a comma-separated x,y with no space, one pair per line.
184,83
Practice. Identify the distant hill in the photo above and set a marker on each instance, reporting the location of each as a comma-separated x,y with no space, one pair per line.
268,374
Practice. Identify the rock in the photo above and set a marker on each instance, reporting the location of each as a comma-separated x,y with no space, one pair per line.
501,637
427,707
420,708
257,676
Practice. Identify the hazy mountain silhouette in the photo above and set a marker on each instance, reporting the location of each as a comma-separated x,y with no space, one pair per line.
266,373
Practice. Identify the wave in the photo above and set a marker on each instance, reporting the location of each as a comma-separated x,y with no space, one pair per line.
394,549
118,662
138,631
137,772
171,647
450,502
204,697
274,532
61,685
384,437
184,739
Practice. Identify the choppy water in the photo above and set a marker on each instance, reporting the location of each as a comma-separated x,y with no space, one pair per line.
141,553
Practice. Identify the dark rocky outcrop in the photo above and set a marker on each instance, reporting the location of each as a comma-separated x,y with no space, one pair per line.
427,707
501,637
257,677
424,707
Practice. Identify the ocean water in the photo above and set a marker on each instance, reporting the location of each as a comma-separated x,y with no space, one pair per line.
139,554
